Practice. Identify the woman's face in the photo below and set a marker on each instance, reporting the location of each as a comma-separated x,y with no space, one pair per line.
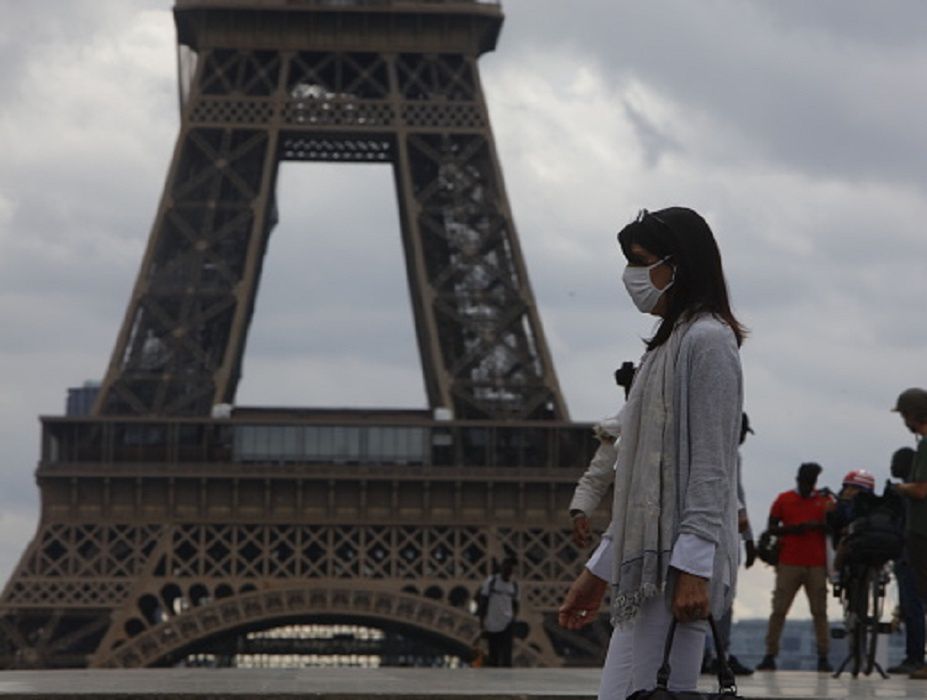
849,492
661,275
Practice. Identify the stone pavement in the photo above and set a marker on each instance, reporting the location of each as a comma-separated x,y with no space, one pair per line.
408,684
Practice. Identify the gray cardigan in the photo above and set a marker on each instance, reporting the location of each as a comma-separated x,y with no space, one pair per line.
709,404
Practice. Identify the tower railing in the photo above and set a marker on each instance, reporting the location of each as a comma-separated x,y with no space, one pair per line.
111,443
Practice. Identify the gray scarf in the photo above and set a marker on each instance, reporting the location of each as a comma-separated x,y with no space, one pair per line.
644,510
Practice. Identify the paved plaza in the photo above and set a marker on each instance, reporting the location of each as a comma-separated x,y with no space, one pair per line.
407,684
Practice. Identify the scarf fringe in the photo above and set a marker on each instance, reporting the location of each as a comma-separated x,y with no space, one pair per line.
625,606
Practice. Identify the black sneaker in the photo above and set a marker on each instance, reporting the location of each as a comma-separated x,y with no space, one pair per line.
824,665
767,664
906,667
708,663
737,668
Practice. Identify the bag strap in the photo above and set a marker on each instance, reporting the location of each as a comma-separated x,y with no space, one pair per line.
726,683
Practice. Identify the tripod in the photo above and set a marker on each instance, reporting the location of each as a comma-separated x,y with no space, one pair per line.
862,594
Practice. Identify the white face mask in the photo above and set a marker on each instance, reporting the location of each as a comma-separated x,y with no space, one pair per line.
641,288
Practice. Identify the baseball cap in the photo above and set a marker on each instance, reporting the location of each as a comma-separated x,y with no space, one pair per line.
912,401
861,478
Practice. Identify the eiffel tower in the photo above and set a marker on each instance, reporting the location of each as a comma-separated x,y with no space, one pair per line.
176,526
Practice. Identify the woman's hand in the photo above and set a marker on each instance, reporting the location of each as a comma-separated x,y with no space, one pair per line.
582,602
690,597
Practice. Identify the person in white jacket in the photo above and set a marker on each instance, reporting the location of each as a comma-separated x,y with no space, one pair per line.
595,481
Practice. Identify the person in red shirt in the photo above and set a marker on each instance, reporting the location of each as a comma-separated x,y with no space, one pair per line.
798,517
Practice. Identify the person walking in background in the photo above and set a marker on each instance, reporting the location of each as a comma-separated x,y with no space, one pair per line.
912,609
798,518
710,662
912,405
673,535
600,473
595,481
497,608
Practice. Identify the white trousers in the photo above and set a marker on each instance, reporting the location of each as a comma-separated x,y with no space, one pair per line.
635,653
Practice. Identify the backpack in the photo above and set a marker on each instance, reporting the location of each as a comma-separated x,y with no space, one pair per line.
876,535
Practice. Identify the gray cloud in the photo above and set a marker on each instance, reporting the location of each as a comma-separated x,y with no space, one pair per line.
830,92
854,23
654,142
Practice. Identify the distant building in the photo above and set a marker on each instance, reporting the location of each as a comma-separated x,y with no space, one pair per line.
80,399
797,649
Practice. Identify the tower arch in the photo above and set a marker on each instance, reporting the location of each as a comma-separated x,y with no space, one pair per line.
352,602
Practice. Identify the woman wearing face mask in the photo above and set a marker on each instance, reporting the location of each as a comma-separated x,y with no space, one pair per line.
671,550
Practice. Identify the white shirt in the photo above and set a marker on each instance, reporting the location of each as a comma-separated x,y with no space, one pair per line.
501,595
691,554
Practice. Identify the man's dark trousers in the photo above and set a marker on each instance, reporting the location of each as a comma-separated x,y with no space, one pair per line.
500,647
912,610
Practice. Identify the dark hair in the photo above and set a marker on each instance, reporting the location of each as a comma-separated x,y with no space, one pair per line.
683,236
809,471
902,463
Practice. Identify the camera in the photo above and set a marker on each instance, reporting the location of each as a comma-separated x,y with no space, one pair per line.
624,377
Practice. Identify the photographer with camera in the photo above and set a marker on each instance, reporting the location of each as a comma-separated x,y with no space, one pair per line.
912,405
798,518
911,608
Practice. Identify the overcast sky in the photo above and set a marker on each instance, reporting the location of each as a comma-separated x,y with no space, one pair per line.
796,128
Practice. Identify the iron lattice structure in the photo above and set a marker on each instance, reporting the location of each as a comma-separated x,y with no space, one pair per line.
166,532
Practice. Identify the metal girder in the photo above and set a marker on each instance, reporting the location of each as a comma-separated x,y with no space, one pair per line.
480,338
